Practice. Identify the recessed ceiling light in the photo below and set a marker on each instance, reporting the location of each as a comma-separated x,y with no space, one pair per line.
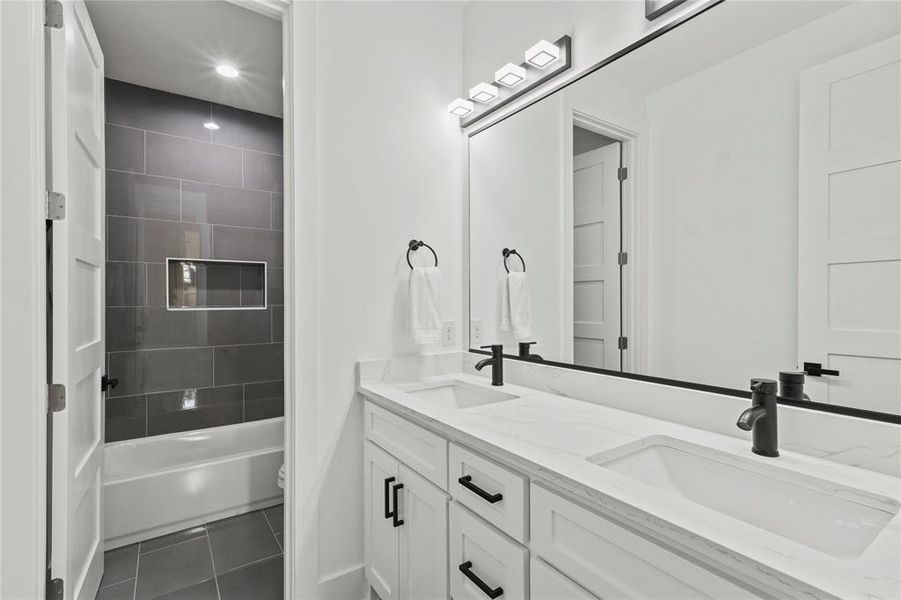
483,92
211,126
542,54
227,71
510,75
460,107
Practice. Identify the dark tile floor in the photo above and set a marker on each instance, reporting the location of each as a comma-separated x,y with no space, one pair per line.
232,559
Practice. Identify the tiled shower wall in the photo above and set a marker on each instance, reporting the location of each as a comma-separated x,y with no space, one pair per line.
177,189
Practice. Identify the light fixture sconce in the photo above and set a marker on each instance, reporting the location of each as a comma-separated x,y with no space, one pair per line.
542,54
510,75
460,107
227,70
483,92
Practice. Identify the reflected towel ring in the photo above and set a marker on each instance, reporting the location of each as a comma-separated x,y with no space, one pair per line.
415,245
507,252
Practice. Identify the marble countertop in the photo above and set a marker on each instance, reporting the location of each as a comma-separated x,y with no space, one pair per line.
549,438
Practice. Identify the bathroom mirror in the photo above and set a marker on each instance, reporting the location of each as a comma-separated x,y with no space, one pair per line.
719,203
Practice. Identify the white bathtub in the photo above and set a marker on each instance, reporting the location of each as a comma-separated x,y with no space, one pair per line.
166,483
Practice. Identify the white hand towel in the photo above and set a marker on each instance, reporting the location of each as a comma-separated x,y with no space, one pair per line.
516,307
424,312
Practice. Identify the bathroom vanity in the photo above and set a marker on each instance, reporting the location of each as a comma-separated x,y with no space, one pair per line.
474,491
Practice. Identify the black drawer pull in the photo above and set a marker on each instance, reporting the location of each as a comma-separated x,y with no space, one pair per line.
466,569
388,513
466,481
397,522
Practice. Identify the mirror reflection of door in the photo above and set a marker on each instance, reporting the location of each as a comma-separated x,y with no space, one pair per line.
596,244
850,227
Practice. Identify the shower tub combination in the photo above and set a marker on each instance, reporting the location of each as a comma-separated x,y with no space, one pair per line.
163,484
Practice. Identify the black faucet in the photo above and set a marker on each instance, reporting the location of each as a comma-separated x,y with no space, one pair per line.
497,364
760,419
525,351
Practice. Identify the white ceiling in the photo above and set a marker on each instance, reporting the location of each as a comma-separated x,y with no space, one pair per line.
174,45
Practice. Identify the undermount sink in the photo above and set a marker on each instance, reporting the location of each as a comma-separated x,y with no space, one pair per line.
456,393
834,519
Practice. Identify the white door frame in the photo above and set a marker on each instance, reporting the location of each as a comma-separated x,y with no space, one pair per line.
23,285
634,216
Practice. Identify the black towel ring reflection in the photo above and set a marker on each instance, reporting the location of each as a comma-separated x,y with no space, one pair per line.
507,252
415,245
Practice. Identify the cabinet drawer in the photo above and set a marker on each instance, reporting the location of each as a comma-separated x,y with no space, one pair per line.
411,444
496,565
613,562
548,584
493,492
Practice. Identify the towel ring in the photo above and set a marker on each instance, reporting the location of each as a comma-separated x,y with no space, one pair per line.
415,245
507,252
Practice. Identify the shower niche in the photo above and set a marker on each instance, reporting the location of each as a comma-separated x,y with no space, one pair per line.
207,284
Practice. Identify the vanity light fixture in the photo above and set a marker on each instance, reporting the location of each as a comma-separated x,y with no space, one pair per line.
510,75
211,125
460,107
483,92
227,70
542,54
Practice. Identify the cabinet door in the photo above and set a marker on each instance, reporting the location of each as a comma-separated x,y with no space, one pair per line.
380,537
423,539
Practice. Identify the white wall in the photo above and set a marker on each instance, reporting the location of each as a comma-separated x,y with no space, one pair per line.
388,168
723,196
516,201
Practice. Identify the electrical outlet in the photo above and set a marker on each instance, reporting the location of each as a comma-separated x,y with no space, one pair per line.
475,333
449,333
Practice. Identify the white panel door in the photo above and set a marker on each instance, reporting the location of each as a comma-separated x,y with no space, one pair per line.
596,243
76,157
380,537
423,539
850,227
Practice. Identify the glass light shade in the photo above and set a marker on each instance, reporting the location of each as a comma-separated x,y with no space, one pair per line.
510,75
542,54
483,92
460,107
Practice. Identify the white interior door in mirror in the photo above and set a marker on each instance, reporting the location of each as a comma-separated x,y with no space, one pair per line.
850,227
76,155
596,243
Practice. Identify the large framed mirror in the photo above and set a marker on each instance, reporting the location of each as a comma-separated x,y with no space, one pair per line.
720,202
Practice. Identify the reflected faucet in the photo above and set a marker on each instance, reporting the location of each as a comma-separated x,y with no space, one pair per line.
525,351
497,364
760,418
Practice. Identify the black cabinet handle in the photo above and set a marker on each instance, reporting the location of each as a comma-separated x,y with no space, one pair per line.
817,370
397,522
466,569
388,513
466,481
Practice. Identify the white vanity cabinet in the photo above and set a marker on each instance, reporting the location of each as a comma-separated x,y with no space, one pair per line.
405,519
496,534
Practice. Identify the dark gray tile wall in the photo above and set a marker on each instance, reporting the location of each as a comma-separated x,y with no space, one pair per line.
176,189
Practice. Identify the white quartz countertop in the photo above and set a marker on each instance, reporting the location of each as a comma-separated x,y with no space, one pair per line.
549,438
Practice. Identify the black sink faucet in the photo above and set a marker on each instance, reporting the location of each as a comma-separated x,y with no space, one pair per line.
525,351
760,419
497,364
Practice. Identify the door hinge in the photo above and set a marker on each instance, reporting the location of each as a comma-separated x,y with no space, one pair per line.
55,206
622,173
53,14
622,258
622,343
55,589
56,397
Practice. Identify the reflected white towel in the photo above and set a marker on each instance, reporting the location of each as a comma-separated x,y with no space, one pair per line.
516,307
424,311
